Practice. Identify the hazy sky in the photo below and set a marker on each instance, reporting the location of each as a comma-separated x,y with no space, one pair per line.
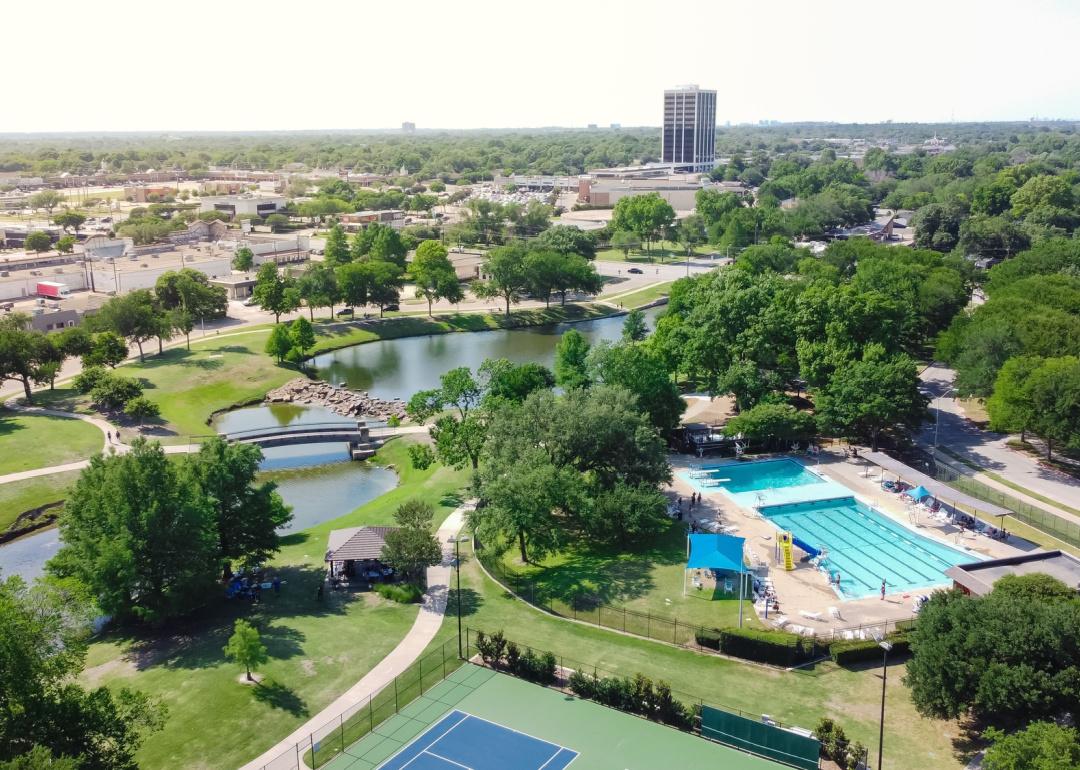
74,65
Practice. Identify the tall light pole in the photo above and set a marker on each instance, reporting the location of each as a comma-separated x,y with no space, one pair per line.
457,598
885,646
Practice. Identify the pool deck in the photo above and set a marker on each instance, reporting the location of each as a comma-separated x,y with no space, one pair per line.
805,589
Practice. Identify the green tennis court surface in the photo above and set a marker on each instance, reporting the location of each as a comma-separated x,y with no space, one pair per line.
602,737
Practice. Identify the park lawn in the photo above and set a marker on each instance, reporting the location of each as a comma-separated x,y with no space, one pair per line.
29,441
645,578
659,251
17,497
642,296
317,649
801,697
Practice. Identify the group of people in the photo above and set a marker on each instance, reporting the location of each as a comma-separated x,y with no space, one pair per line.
251,587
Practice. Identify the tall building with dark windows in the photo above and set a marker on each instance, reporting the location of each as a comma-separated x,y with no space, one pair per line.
689,139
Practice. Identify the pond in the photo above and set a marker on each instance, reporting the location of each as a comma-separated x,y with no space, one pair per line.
398,368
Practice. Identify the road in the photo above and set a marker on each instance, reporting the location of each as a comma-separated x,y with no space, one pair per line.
986,448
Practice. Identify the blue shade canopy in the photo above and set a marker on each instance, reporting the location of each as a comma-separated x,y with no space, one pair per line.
709,551
918,493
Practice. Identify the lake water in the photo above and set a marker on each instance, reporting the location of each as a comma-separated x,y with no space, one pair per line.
398,368
319,480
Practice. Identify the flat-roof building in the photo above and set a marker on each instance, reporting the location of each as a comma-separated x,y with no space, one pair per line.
979,578
689,133
236,205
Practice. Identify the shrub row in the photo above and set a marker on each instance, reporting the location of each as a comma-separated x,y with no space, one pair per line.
857,651
636,696
776,647
113,392
498,653
403,593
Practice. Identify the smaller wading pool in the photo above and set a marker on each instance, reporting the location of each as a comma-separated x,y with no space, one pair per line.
866,547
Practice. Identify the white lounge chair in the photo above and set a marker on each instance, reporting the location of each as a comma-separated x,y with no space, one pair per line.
810,615
781,621
834,613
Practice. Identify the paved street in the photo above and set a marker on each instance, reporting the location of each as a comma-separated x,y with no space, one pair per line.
986,448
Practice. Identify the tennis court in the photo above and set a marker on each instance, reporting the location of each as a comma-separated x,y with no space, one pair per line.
481,720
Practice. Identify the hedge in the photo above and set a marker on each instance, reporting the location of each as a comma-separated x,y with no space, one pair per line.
708,637
859,650
403,593
777,647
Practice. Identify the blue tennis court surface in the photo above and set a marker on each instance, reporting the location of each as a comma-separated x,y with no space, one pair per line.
460,740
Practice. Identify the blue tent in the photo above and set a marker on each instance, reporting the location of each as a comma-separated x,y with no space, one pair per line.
918,493
722,552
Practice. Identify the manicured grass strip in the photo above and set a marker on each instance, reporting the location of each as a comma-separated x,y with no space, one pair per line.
1032,494
29,441
20,496
642,296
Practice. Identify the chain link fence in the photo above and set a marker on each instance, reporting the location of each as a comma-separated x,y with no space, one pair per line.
1045,521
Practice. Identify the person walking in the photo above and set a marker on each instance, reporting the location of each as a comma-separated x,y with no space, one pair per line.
108,435
882,590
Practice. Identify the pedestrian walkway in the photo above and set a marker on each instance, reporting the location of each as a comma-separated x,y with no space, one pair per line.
424,628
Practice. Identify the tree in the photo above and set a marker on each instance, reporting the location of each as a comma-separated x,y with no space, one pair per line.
1004,659
624,241
691,233
386,245
191,291
112,391
634,328
25,354
140,409
542,271
106,349
243,259
354,283
247,513
46,199
1054,391
514,382
643,373
385,283
277,222
302,335
273,292
38,241
279,343
458,438
571,360
337,248
412,546
66,244
1011,408
644,215
245,647
566,239
318,287
47,714
135,316
434,274
1039,746
506,274
869,396
138,532
772,424
70,220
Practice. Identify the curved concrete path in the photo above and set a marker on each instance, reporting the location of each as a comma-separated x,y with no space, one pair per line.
427,624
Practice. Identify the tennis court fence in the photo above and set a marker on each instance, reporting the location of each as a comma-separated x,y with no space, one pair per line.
328,741
753,733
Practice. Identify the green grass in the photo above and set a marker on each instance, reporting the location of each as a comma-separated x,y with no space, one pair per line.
17,497
1031,493
317,649
660,251
29,441
642,296
646,579
798,697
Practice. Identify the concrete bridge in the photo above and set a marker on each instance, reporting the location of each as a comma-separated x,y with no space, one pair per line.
362,439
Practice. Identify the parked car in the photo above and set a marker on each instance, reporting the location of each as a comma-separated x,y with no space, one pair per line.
635,270
345,311
393,307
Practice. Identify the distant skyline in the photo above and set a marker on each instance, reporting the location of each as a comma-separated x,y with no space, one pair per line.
117,65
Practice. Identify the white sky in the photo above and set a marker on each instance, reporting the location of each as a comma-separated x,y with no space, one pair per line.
78,65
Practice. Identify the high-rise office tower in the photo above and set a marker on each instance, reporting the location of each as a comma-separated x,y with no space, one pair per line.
689,139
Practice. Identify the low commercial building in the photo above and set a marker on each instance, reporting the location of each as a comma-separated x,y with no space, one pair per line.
238,205
54,320
236,286
359,220
680,190
978,579
148,194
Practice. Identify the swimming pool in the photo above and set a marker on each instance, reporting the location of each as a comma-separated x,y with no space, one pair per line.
866,547
762,474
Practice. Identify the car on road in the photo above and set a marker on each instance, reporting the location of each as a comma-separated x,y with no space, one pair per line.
344,311
635,270
249,302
